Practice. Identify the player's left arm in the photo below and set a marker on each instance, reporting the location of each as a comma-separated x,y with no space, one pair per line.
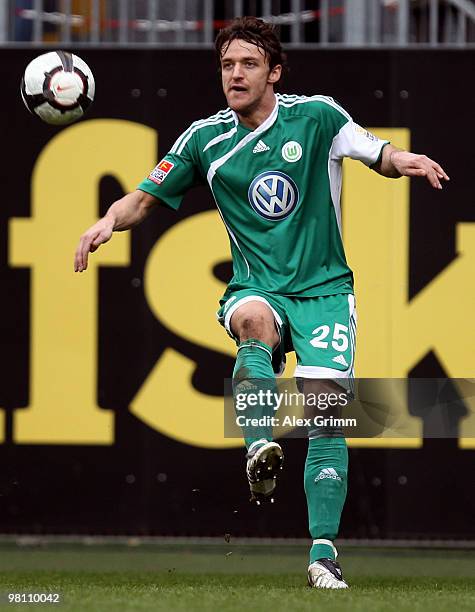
395,162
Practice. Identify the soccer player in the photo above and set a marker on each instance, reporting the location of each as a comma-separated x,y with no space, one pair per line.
273,164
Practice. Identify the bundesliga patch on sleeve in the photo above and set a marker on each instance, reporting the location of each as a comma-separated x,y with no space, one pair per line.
364,132
160,172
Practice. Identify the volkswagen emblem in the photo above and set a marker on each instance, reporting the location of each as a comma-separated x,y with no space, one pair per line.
273,195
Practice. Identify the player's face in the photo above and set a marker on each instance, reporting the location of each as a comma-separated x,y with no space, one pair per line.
246,77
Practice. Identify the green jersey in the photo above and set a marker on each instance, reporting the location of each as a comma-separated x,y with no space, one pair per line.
277,189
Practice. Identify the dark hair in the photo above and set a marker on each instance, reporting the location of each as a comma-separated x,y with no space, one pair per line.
255,31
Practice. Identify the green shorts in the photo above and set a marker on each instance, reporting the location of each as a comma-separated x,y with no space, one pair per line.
321,330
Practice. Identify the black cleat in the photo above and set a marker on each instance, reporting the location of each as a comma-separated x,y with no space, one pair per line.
263,466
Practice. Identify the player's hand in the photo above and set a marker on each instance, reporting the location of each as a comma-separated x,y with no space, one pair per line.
91,240
411,164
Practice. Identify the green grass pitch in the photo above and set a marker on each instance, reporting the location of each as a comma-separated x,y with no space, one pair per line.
231,577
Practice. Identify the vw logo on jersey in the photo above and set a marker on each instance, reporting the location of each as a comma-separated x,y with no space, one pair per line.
273,195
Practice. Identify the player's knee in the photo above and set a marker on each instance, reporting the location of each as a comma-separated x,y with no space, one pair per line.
254,325
255,322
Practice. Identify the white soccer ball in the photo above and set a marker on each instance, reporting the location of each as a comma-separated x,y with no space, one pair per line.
58,87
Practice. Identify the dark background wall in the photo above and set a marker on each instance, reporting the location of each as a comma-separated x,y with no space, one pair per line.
148,483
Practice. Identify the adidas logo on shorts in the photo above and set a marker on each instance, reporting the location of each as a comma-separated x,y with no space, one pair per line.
328,473
341,360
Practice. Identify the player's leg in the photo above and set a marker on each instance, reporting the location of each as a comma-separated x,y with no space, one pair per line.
323,334
325,482
254,324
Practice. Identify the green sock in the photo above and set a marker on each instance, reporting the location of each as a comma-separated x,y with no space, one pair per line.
252,374
326,472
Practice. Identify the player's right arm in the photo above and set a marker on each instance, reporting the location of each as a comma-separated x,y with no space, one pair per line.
124,214
166,184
